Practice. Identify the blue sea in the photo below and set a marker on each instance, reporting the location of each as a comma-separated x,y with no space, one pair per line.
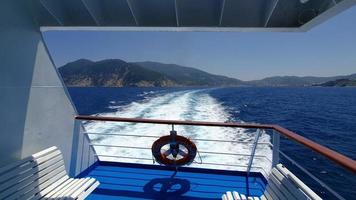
324,115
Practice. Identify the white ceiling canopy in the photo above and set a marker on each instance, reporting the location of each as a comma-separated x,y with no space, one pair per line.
186,15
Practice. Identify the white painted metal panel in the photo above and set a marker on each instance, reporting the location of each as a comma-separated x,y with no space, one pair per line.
35,111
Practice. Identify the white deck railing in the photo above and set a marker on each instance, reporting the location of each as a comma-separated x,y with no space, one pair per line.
254,157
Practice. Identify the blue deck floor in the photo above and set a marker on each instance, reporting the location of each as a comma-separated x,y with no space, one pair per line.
134,181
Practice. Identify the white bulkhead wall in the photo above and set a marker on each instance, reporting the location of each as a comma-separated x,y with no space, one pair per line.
35,112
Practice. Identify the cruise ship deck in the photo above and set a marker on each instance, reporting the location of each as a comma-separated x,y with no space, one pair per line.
47,153
139,181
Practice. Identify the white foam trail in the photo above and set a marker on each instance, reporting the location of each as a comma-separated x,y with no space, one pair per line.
184,105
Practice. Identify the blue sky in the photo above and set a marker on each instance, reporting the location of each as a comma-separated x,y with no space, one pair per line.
327,50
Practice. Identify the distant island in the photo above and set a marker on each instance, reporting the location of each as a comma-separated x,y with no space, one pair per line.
338,83
118,73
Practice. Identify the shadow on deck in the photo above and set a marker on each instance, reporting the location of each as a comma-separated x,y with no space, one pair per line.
138,181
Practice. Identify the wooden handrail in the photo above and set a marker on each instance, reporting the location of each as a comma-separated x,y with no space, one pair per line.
176,122
338,158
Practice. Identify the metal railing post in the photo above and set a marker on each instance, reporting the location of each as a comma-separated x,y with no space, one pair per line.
275,142
253,151
75,146
250,162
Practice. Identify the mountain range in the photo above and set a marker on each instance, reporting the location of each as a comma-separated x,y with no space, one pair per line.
118,73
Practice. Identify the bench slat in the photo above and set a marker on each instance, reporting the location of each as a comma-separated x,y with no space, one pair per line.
267,195
27,159
286,193
232,196
224,197
32,172
25,183
74,187
229,196
282,184
236,195
59,188
39,188
47,157
83,195
83,188
51,187
44,152
16,171
42,176
27,166
276,187
243,197
65,188
288,185
271,192
33,181
263,197
297,182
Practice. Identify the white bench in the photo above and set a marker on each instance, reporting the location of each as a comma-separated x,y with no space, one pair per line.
42,176
282,184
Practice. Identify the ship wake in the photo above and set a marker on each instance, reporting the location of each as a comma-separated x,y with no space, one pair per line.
215,144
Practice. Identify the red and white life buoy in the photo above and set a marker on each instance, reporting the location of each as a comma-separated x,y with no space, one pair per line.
174,156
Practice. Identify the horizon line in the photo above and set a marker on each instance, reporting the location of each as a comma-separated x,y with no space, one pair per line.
273,76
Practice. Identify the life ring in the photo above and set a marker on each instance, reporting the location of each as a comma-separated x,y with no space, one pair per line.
175,155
